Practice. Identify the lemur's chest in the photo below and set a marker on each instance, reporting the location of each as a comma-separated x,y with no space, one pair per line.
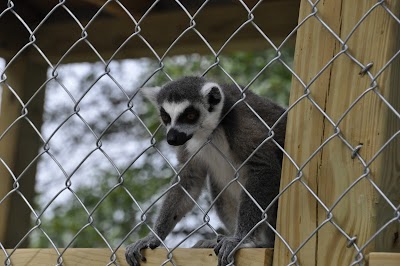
218,158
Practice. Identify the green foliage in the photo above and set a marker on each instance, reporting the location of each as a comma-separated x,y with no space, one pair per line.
272,81
115,215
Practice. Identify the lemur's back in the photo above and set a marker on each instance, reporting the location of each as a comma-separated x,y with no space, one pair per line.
244,128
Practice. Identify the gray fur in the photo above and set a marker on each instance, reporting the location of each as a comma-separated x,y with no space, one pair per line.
236,136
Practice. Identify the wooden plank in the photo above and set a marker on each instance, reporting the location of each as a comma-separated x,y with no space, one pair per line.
99,256
362,211
297,213
384,259
161,29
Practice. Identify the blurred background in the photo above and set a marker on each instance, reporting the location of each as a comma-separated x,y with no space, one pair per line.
91,156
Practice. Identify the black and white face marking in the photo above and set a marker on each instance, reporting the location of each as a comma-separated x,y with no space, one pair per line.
189,116
165,118
181,121
170,111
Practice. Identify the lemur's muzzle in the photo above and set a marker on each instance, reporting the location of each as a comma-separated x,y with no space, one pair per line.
177,138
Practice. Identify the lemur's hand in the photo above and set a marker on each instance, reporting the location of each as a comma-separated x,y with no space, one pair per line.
133,252
224,247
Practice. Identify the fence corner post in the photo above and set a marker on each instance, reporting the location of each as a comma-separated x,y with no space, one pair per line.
321,123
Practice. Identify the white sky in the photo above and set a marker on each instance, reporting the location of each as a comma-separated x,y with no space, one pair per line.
120,151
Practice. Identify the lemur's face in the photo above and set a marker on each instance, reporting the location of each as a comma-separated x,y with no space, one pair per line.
189,108
182,120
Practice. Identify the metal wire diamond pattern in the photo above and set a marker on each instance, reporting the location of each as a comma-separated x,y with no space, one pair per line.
298,180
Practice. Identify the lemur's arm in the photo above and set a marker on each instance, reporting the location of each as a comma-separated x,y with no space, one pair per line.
176,204
262,183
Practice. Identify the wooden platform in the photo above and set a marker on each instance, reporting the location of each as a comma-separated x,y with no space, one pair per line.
100,256
181,256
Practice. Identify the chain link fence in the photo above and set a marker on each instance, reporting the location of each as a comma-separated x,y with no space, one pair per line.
101,150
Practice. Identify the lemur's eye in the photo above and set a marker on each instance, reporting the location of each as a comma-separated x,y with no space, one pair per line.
191,116
165,116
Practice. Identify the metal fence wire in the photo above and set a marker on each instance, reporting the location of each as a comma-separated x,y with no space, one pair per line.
299,179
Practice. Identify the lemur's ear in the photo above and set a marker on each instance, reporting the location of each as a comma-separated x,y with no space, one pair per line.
213,93
151,93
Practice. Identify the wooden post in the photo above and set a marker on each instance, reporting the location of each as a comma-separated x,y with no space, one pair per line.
19,146
7,151
371,123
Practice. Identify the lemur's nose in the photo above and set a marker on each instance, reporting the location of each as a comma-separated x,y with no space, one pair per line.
177,138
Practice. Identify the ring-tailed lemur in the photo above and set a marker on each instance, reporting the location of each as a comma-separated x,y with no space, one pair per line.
194,111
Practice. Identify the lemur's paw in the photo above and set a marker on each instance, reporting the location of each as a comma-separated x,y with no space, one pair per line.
133,252
223,249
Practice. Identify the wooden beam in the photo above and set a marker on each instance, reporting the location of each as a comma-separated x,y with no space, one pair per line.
13,36
136,8
384,259
181,256
276,18
19,146
363,211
